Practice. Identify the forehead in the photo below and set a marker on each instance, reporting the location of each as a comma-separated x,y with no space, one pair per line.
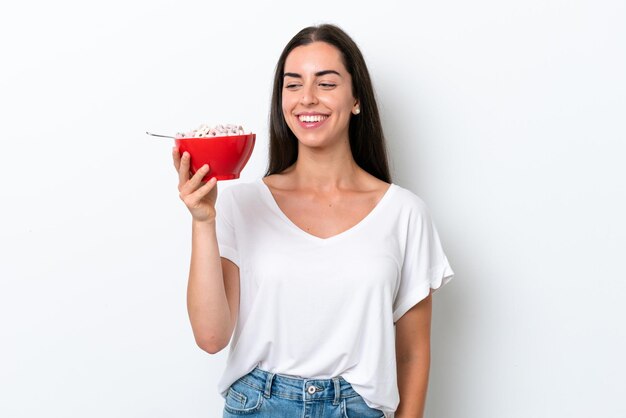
314,57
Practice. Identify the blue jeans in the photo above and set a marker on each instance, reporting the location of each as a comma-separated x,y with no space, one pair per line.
261,394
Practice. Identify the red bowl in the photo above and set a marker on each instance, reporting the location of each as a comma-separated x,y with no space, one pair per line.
225,155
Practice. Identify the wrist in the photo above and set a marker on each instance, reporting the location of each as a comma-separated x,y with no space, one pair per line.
203,223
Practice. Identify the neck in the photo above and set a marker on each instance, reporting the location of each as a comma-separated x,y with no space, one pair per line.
325,169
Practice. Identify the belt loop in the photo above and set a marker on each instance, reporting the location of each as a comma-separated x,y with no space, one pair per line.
268,385
337,390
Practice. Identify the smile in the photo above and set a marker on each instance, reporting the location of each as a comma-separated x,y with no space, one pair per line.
312,118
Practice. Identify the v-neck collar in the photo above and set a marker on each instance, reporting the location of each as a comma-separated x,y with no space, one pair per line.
269,197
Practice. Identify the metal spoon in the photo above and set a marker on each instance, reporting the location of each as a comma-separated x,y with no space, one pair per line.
161,136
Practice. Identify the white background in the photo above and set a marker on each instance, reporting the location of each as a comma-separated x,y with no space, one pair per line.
507,118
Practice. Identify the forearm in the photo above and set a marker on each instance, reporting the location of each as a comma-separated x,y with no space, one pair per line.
413,371
207,304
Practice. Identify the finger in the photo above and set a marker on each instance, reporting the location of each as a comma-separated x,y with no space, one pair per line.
200,193
183,169
176,157
196,180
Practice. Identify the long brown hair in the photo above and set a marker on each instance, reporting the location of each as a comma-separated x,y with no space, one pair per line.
367,141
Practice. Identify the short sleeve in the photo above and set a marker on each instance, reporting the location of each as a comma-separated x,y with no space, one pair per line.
224,225
425,265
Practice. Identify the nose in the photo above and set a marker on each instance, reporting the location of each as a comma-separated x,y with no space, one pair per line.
308,96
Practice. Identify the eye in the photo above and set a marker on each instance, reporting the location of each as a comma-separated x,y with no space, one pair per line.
292,86
328,85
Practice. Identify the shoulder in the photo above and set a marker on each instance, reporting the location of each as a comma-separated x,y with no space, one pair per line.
412,214
238,189
278,182
408,200
239,192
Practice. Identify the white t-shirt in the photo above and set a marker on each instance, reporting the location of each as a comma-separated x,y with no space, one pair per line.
319,308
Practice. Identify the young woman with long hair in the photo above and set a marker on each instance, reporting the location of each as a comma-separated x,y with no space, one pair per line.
320,274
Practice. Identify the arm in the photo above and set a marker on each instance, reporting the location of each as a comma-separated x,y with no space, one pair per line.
213,287
413,358
212,291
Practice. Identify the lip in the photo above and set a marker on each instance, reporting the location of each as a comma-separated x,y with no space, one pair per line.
311,125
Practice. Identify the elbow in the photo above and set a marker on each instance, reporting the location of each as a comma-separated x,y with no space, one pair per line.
211,345
211,349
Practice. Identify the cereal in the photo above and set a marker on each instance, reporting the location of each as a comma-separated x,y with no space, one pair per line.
205,131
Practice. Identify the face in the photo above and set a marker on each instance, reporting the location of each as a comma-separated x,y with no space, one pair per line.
317,98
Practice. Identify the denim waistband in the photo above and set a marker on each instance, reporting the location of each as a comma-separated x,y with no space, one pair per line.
290,387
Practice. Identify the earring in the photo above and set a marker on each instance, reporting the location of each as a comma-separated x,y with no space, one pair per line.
357,110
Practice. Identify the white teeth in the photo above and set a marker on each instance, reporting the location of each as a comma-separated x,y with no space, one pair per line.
312,118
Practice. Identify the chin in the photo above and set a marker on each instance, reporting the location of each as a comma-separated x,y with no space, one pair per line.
317,142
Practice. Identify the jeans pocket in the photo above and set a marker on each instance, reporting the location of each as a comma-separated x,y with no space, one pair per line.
243,399
355,407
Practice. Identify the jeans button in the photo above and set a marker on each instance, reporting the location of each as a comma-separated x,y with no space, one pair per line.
311,390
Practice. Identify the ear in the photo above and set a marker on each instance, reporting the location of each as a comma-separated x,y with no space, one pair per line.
356,109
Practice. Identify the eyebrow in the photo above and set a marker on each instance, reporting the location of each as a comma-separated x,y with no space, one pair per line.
317,74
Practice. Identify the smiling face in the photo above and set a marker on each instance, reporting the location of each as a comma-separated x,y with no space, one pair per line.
317,99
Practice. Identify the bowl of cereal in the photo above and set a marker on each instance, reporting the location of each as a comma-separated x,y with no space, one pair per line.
225,148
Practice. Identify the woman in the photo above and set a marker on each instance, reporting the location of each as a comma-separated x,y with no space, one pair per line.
321,272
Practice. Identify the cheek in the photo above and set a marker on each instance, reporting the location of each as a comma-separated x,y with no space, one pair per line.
336,102
287,103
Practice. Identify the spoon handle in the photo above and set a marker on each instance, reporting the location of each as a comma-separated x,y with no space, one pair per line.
161,136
